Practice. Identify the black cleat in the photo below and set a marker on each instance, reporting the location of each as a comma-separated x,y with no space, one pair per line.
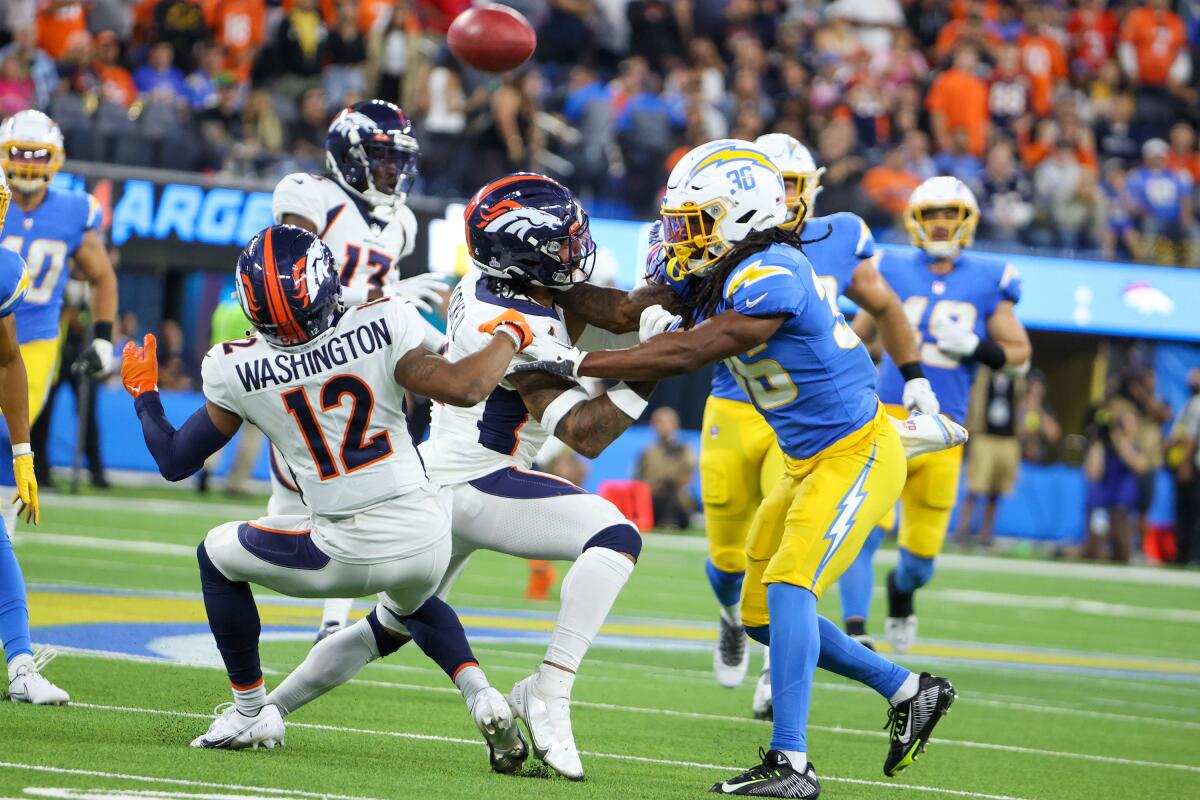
774,777
912,722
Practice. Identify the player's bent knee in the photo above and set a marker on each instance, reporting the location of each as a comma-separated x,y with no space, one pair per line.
210,576
728,559
913,571
623,538
386,640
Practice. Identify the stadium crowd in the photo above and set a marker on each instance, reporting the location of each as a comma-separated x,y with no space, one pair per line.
1075,122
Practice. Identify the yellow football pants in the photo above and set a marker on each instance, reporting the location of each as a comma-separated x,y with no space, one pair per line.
41,367
811,526
740,462
927,500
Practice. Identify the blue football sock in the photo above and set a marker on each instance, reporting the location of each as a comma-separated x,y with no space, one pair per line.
14,611
438,632
795,647
727,586
843,656
233,618
912,572
858,581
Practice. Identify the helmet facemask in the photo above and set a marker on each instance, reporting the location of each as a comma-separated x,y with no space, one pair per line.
800,195
30,165
384,168
689,235
926,223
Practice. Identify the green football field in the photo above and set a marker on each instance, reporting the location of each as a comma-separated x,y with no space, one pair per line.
1075,681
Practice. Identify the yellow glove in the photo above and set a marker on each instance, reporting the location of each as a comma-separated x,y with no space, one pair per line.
27,489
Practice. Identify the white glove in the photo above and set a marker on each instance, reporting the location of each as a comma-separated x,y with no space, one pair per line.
425,291
655,320
96,361
549,355
954,340
928,433
919,397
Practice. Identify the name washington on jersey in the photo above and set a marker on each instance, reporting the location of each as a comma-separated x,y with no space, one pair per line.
268,372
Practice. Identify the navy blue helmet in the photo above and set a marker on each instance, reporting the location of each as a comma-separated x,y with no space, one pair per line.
370,150
530,229
288,285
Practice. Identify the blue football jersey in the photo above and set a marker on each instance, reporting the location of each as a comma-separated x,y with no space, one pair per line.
968,294
14,281
813,380
47,238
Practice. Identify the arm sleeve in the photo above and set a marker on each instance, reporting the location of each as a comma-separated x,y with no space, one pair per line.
296,194
178,453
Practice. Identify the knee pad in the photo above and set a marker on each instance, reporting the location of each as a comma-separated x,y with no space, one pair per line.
912,572
623,538
759,633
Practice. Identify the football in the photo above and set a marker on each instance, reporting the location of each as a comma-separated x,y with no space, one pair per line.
491,38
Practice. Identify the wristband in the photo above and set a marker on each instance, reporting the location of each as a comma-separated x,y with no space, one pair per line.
990,354
561,406
511,330
911,371
22,449
102,330
630,402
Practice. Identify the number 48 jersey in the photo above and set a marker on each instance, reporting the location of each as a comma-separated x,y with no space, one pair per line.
965,296
332,407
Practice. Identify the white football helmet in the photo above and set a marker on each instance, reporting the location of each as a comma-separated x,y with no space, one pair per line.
801,176
925,221
717,195
31,150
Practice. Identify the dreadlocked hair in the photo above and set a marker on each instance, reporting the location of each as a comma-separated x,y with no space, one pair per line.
707,292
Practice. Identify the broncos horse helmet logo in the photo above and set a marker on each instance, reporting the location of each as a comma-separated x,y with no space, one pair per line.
509,216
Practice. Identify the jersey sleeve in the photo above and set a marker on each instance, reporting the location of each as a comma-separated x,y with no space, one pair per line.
14,281
1009,284
760,288
408,223
864,246
410,327
216,389
298,194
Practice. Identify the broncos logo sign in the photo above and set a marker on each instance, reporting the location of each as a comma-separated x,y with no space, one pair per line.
509,216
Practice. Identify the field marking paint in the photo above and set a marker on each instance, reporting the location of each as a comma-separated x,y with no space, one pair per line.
159,506
175,781
426,737
71,540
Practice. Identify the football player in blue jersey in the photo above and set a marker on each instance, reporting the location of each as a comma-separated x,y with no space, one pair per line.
25,681
961,306
53,230
756,303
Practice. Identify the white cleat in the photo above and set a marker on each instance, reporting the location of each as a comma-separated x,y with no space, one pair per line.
233,730
731,655
28,685
928,433
549,724
901,632
762,706
507,750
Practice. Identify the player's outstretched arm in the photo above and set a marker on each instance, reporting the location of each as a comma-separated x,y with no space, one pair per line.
14,399
873,294
615,310
469,380
179,453
586,425
92,259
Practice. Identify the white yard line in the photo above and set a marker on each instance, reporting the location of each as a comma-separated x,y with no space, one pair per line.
477,743
108,545
1061,603
175,781
158,506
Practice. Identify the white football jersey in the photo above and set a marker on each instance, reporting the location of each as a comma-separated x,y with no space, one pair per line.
365,249
467,443
332,407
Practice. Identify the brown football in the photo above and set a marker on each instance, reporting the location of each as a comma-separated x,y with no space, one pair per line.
491,38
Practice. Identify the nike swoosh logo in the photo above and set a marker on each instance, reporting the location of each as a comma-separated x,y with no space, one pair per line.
730,788
298,180
754,302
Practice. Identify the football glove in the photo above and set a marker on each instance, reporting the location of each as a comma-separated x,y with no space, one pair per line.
928,433
919,397
425,291
655,320
564,362
27,488
139,366
96,360
954,340
513,323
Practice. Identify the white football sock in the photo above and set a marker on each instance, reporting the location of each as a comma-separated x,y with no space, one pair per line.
553,681
797,758
8,512
471,681
907,689
249,701
588,592
766,659
330,663
337,610
732,615
17,662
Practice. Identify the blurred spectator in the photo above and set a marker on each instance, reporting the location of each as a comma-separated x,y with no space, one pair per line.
1183,156
1067,197
666,466
346,54
202,83
1002,190
513,141
441,108
1153,46
1114,135
958,98
993,454
173,369
1039,429
311,127
1092,32
16,87
1162,205
221,124
959,161
1184,458
1112,463
1120,236
1042,59
566,35
842,182
115,83
388,54
181,24
1008,88
16,15
239,28
889,185
645,135
159,80
60,25
301,40
1152,414
37,63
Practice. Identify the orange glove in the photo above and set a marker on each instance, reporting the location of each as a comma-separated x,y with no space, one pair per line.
139,366
513,323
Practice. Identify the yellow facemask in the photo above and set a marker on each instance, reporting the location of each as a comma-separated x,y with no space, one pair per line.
30,165
920,227
800,204
690,238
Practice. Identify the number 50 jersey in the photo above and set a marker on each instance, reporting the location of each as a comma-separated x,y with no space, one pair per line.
47,238
332,407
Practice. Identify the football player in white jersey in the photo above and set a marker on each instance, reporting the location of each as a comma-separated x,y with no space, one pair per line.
529,238
326,385
359,211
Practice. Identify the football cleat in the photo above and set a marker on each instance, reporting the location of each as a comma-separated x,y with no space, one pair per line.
328,629
731,656
901,632
233,730
507,750
28,685
912,721
774,777
549,724
762,706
